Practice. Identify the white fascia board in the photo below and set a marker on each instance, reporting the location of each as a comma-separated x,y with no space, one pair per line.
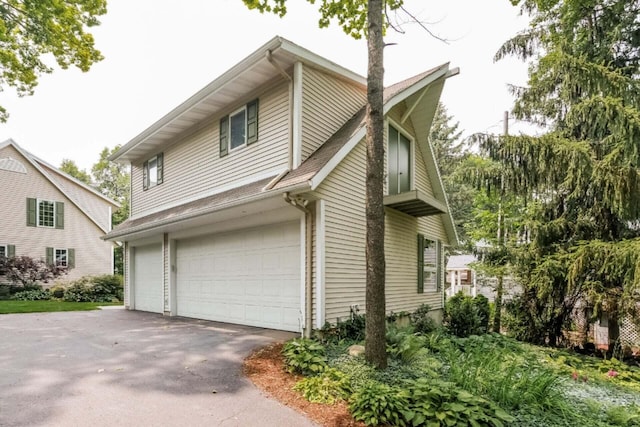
426,81
338,157
297,114
320,264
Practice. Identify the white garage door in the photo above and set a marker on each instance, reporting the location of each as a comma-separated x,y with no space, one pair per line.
147,283
249,277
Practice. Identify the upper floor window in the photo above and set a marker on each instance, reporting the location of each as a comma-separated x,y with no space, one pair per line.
400,161
45,213
153,171
239,128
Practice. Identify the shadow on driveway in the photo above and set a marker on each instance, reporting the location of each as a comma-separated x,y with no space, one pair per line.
118,367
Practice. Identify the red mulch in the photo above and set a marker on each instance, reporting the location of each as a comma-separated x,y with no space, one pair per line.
265,368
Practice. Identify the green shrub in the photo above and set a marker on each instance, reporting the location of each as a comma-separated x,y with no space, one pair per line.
105,288
32,295
436,403
403,344
466,316
328,387
376,403
304,356
357,370
351,330
57,292
421,320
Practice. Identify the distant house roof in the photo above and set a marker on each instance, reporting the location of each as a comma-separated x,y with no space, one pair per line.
80,194
460,262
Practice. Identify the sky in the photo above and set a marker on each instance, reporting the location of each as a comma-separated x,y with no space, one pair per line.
160,52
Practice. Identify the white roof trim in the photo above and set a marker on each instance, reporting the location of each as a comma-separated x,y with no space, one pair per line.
35,164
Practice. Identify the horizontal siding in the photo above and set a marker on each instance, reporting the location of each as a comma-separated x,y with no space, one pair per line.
193,167
345,268
93,256
327,104
401,254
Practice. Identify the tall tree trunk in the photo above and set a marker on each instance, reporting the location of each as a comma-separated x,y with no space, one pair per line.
375,349
497,315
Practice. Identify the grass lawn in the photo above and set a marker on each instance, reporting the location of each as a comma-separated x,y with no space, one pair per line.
10,306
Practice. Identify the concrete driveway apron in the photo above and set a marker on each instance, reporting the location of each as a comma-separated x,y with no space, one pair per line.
124,368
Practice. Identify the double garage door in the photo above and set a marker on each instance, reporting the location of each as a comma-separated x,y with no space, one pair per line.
250,277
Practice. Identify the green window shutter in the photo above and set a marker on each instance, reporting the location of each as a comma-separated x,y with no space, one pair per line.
145,175
420,264
71,258
252,122
11,251
224,136
60,215
50,259
439,262
160,167
31,212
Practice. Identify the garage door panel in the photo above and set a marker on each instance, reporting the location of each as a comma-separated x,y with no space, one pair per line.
147,279
248,276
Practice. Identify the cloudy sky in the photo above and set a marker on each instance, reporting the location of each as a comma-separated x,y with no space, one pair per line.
160,52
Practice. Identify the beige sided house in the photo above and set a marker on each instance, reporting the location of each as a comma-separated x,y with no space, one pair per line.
49,215
248,199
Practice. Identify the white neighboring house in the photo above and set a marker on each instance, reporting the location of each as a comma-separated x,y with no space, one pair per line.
248,199
49,215
460,276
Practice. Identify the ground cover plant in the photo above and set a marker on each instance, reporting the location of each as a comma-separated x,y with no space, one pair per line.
436,378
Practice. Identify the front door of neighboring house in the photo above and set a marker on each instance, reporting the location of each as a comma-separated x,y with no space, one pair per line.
399,162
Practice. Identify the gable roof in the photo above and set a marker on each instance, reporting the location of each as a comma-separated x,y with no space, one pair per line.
57,178
264,65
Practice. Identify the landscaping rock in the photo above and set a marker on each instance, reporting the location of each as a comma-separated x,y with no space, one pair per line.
355,350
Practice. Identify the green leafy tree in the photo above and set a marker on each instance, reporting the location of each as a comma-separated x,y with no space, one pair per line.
360,18
582,176
450,153
112,180
31,30
69,166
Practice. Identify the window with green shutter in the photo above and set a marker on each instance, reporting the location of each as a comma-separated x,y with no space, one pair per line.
7,251
153,171
239,128
32,212
45,213
49,256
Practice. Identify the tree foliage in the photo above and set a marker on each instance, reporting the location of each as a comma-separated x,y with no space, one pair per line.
32,30
581,179
70,167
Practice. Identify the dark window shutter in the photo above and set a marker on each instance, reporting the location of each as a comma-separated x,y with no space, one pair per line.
50,259
145,175
420,264
439,262
160,167
31,212
11,251
224,136
60,215
71,258
252,122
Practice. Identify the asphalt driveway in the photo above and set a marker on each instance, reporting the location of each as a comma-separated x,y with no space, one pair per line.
125,368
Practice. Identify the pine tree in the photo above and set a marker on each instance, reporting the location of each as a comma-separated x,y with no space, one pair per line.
581,178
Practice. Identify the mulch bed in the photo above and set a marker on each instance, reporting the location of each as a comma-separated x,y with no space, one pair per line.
265,368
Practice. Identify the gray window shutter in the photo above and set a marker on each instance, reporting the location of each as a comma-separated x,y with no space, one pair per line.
60,215
420,264
252,122
50,259
145,175
71,258
11,251
439,262
31,212
160,167
224,136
